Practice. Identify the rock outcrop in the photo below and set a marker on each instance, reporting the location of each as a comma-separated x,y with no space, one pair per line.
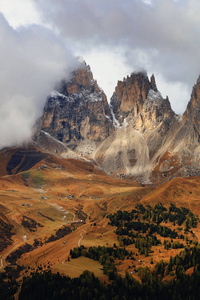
137,98
183,141
191,117
142,118
78,110
129,96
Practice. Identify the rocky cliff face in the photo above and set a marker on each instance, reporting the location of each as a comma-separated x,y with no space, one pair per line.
137,98
77,110
179,154
129,96
138,134
142,119
192,114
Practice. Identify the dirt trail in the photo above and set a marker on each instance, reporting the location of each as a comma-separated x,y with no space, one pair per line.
81,237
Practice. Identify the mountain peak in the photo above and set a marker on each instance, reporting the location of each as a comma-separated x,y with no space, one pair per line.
193,108
81,60
136,96
78,110
153,85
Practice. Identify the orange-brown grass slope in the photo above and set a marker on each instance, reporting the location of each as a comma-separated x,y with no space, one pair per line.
184,192
58,192
70,190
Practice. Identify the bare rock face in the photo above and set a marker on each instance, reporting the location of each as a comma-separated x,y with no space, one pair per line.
137,99
179,154
188,134
129,96
142,119
77,110
192,113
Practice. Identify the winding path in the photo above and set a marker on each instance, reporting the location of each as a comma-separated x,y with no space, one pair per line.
81,237
79,241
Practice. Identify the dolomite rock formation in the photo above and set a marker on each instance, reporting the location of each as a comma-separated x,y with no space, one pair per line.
78,110
137,98
180,151
138,134
191,116
142,118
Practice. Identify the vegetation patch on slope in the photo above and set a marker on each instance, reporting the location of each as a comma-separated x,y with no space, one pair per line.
6,232
30,224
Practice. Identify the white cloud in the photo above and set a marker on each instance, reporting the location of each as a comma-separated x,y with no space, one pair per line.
110,68
179,92
32,60
149,2
21,12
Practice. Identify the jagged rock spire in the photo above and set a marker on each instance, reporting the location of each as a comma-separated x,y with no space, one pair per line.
136,96
192,112
153,85
78,110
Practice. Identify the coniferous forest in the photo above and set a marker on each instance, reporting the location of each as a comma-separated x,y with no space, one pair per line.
46,285
142,227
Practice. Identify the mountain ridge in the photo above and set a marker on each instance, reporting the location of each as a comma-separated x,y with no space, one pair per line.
137,134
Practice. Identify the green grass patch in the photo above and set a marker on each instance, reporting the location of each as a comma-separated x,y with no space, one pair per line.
33,178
